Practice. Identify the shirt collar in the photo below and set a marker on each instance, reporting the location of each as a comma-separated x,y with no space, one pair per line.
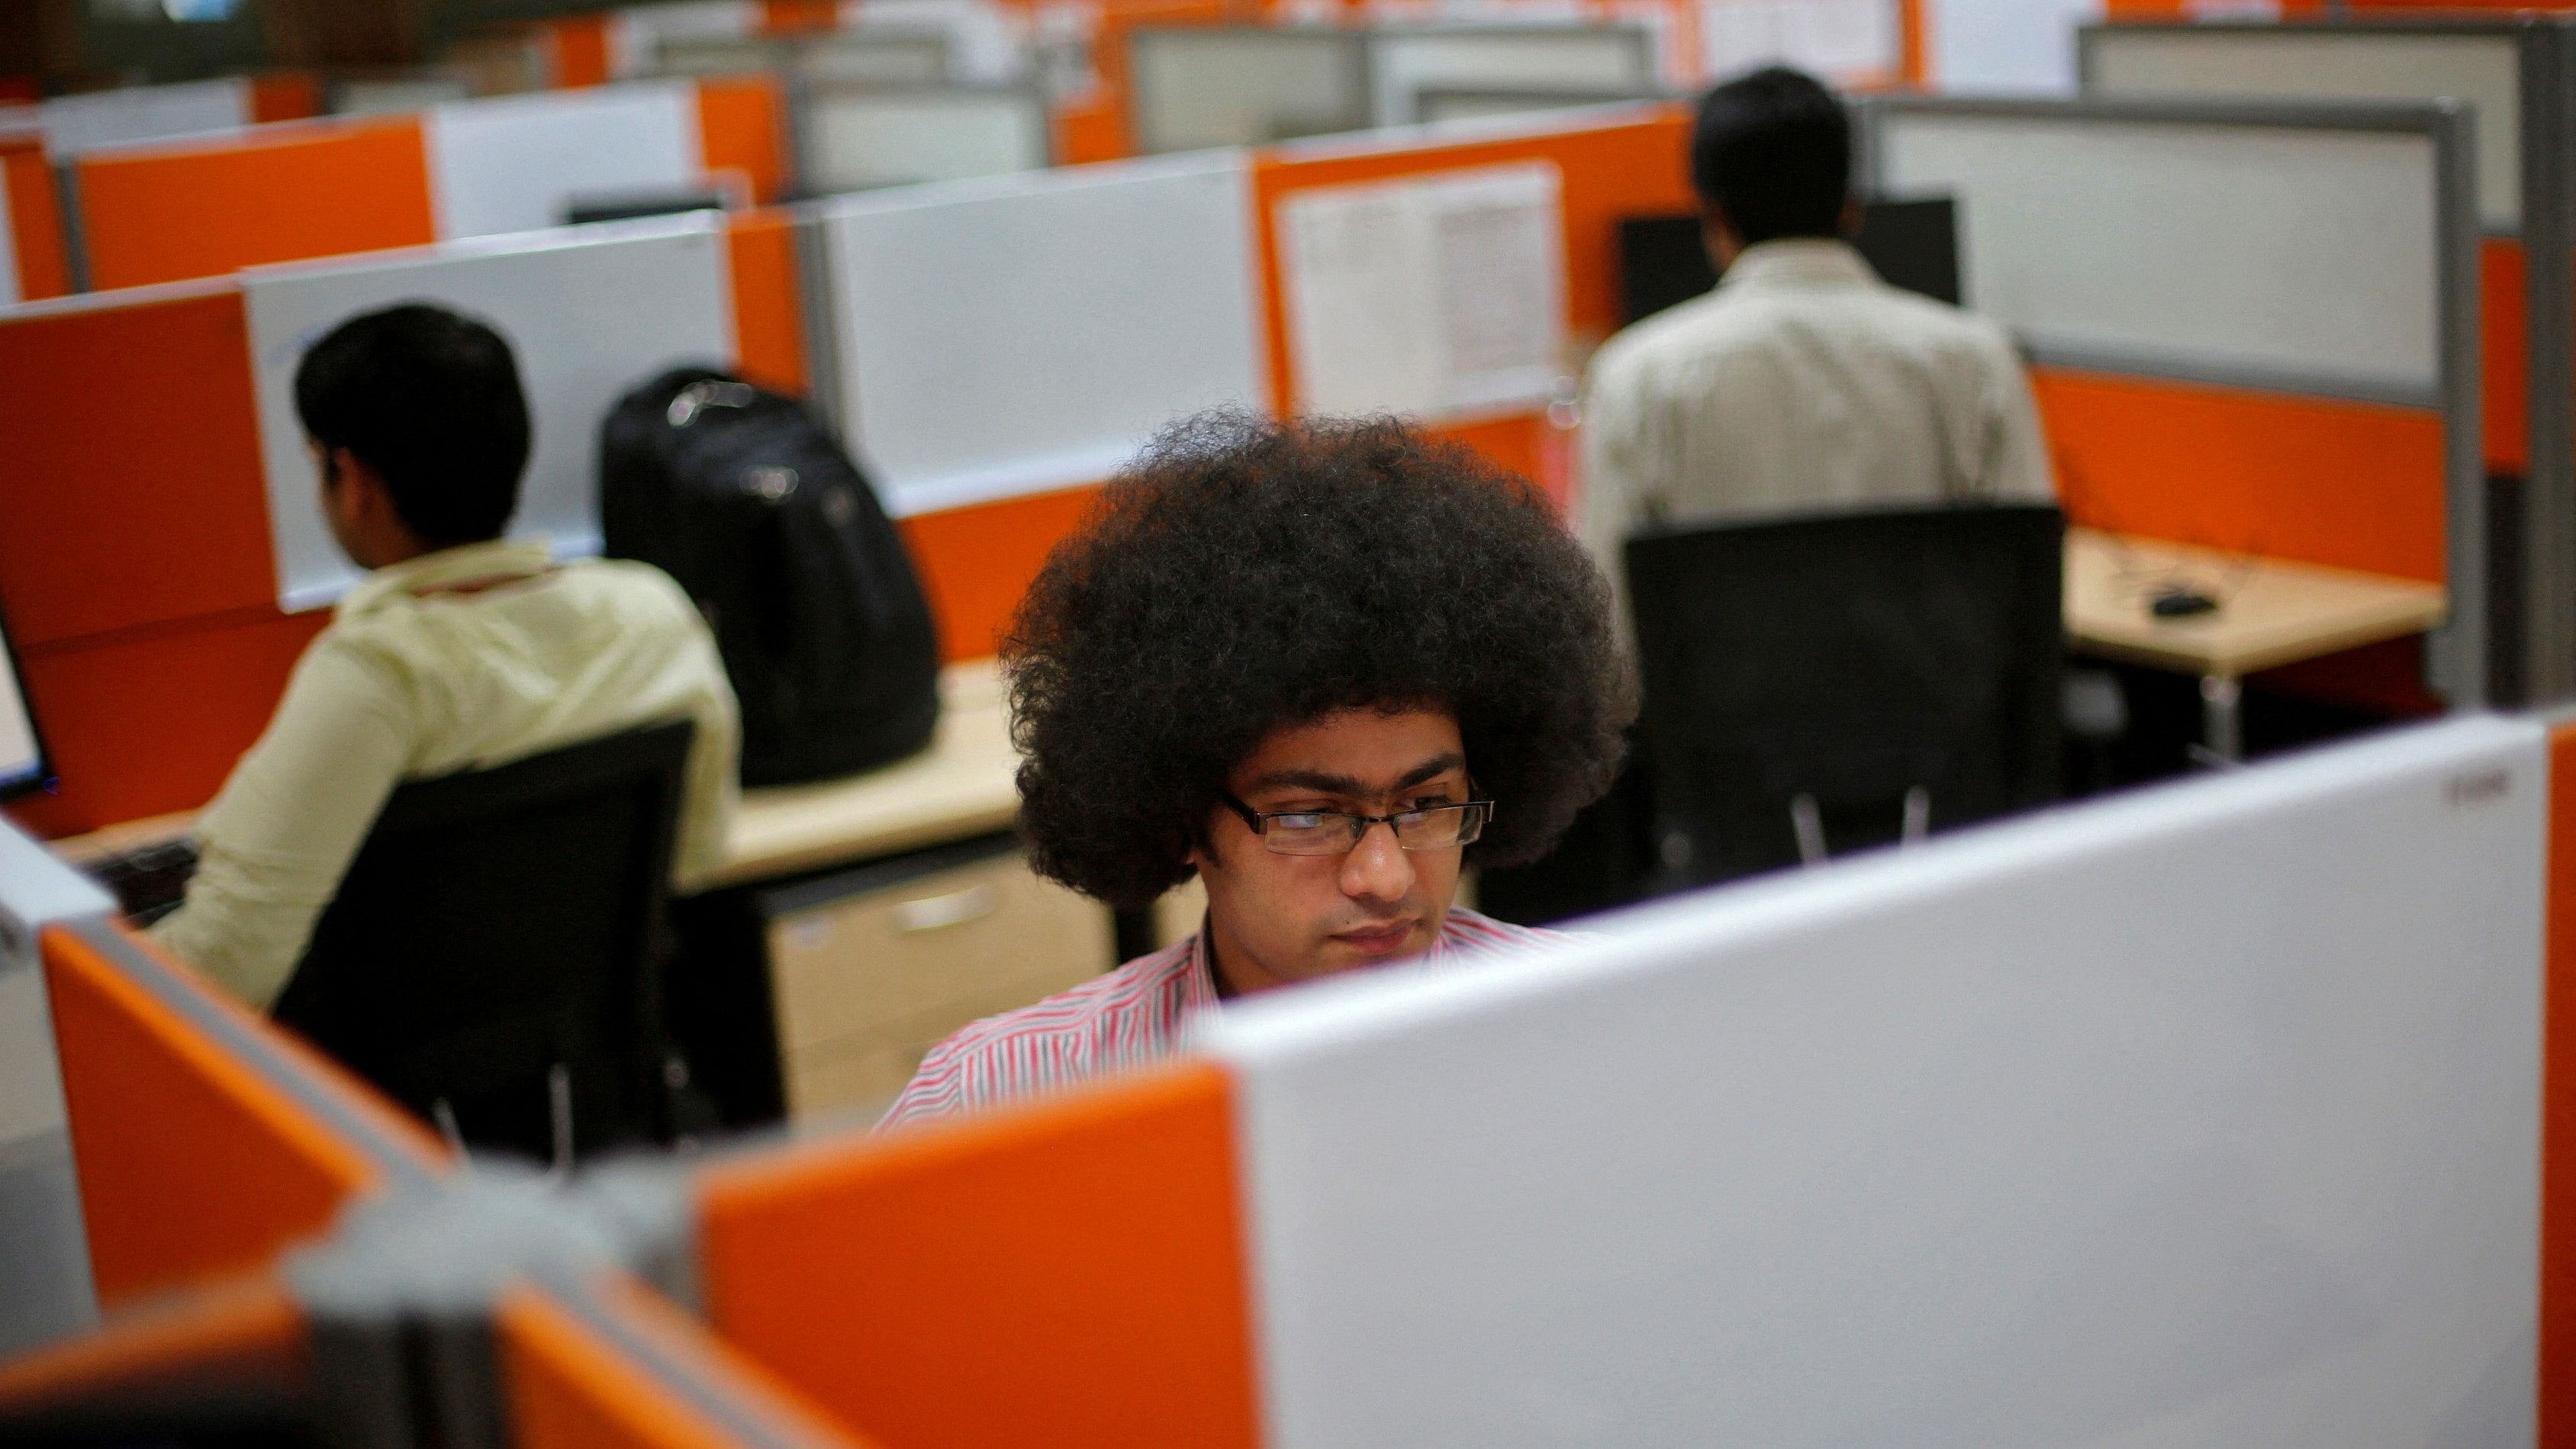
1805,261
463,564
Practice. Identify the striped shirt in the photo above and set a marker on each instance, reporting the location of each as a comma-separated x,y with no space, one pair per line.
1128,1017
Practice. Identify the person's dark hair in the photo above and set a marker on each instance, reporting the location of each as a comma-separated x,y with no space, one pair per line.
1771,152
431,401
1243,576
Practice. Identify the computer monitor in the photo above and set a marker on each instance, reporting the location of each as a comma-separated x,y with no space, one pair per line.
1913,242
23,765
1195,87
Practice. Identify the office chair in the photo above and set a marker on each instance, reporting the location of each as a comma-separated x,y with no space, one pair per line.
1818,684
493,958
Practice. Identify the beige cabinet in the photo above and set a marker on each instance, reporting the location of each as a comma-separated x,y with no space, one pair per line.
871,969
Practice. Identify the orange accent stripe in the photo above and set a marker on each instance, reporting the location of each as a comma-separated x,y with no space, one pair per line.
976,562
142,725
293,95
1607,172
133,436
156,1107
768,303
35,223
2503,334
1914,30
2354,485
2557,1404
206,208
1070,1273
247,1332
742,128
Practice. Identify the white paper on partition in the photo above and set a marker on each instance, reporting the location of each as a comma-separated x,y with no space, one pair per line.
2208,1117
567,302
1017,334
512,163
1429,296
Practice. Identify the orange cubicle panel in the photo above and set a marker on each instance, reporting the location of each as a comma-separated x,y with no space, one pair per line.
1119,1316
205,1141
205,207
246,1334
621,1369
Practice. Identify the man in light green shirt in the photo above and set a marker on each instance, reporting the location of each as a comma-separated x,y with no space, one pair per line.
462,650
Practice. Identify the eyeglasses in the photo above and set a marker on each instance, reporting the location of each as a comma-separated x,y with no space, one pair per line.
1331,832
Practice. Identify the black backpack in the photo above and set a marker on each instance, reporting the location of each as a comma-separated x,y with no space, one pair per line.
743,498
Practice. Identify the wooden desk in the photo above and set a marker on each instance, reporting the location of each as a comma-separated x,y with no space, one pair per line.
961,786
2271,612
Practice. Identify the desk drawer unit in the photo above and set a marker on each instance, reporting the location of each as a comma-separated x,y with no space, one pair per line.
872,968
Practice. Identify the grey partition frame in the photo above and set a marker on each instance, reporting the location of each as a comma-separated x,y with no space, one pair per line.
2539,639
1359,73
2462,664
802,95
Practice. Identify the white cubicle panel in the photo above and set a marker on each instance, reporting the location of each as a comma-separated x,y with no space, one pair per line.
1406,59
22,760
906,56
1016,334
638,33
2208,1117
2306,258
1444,105
984,42
591,313
11,289
1848,41
80,123
510,163
1195,87
2481,66
852,137
718,54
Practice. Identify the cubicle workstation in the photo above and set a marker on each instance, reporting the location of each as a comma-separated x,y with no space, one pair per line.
2514,70
167,211
1970,1143
2287,374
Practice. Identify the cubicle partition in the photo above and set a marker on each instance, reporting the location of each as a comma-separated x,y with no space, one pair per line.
2206,1115
166,211
152,1133
2517,71
2287,366
33,263
161,560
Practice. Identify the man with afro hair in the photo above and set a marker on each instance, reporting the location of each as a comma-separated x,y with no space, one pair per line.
1321,665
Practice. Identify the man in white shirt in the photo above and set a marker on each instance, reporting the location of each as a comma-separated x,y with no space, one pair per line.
1802,383
461,651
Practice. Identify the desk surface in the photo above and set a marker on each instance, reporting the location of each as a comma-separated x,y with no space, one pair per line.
2271,611
962,785
2274,612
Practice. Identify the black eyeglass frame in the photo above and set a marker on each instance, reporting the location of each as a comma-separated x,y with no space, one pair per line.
1258,822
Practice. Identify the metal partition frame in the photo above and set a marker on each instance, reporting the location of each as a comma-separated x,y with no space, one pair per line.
1359,74
2460,665
2534,635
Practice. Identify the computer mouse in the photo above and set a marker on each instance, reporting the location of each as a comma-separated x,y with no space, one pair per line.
2179,603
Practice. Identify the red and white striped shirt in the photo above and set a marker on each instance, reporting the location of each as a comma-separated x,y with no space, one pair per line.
1128,1017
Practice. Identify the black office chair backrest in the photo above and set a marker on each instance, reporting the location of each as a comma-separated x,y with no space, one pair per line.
498,941
1830,667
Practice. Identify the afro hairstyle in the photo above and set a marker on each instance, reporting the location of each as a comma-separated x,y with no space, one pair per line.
1244,576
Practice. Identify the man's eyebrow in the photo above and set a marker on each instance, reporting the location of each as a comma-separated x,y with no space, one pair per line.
1324,783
